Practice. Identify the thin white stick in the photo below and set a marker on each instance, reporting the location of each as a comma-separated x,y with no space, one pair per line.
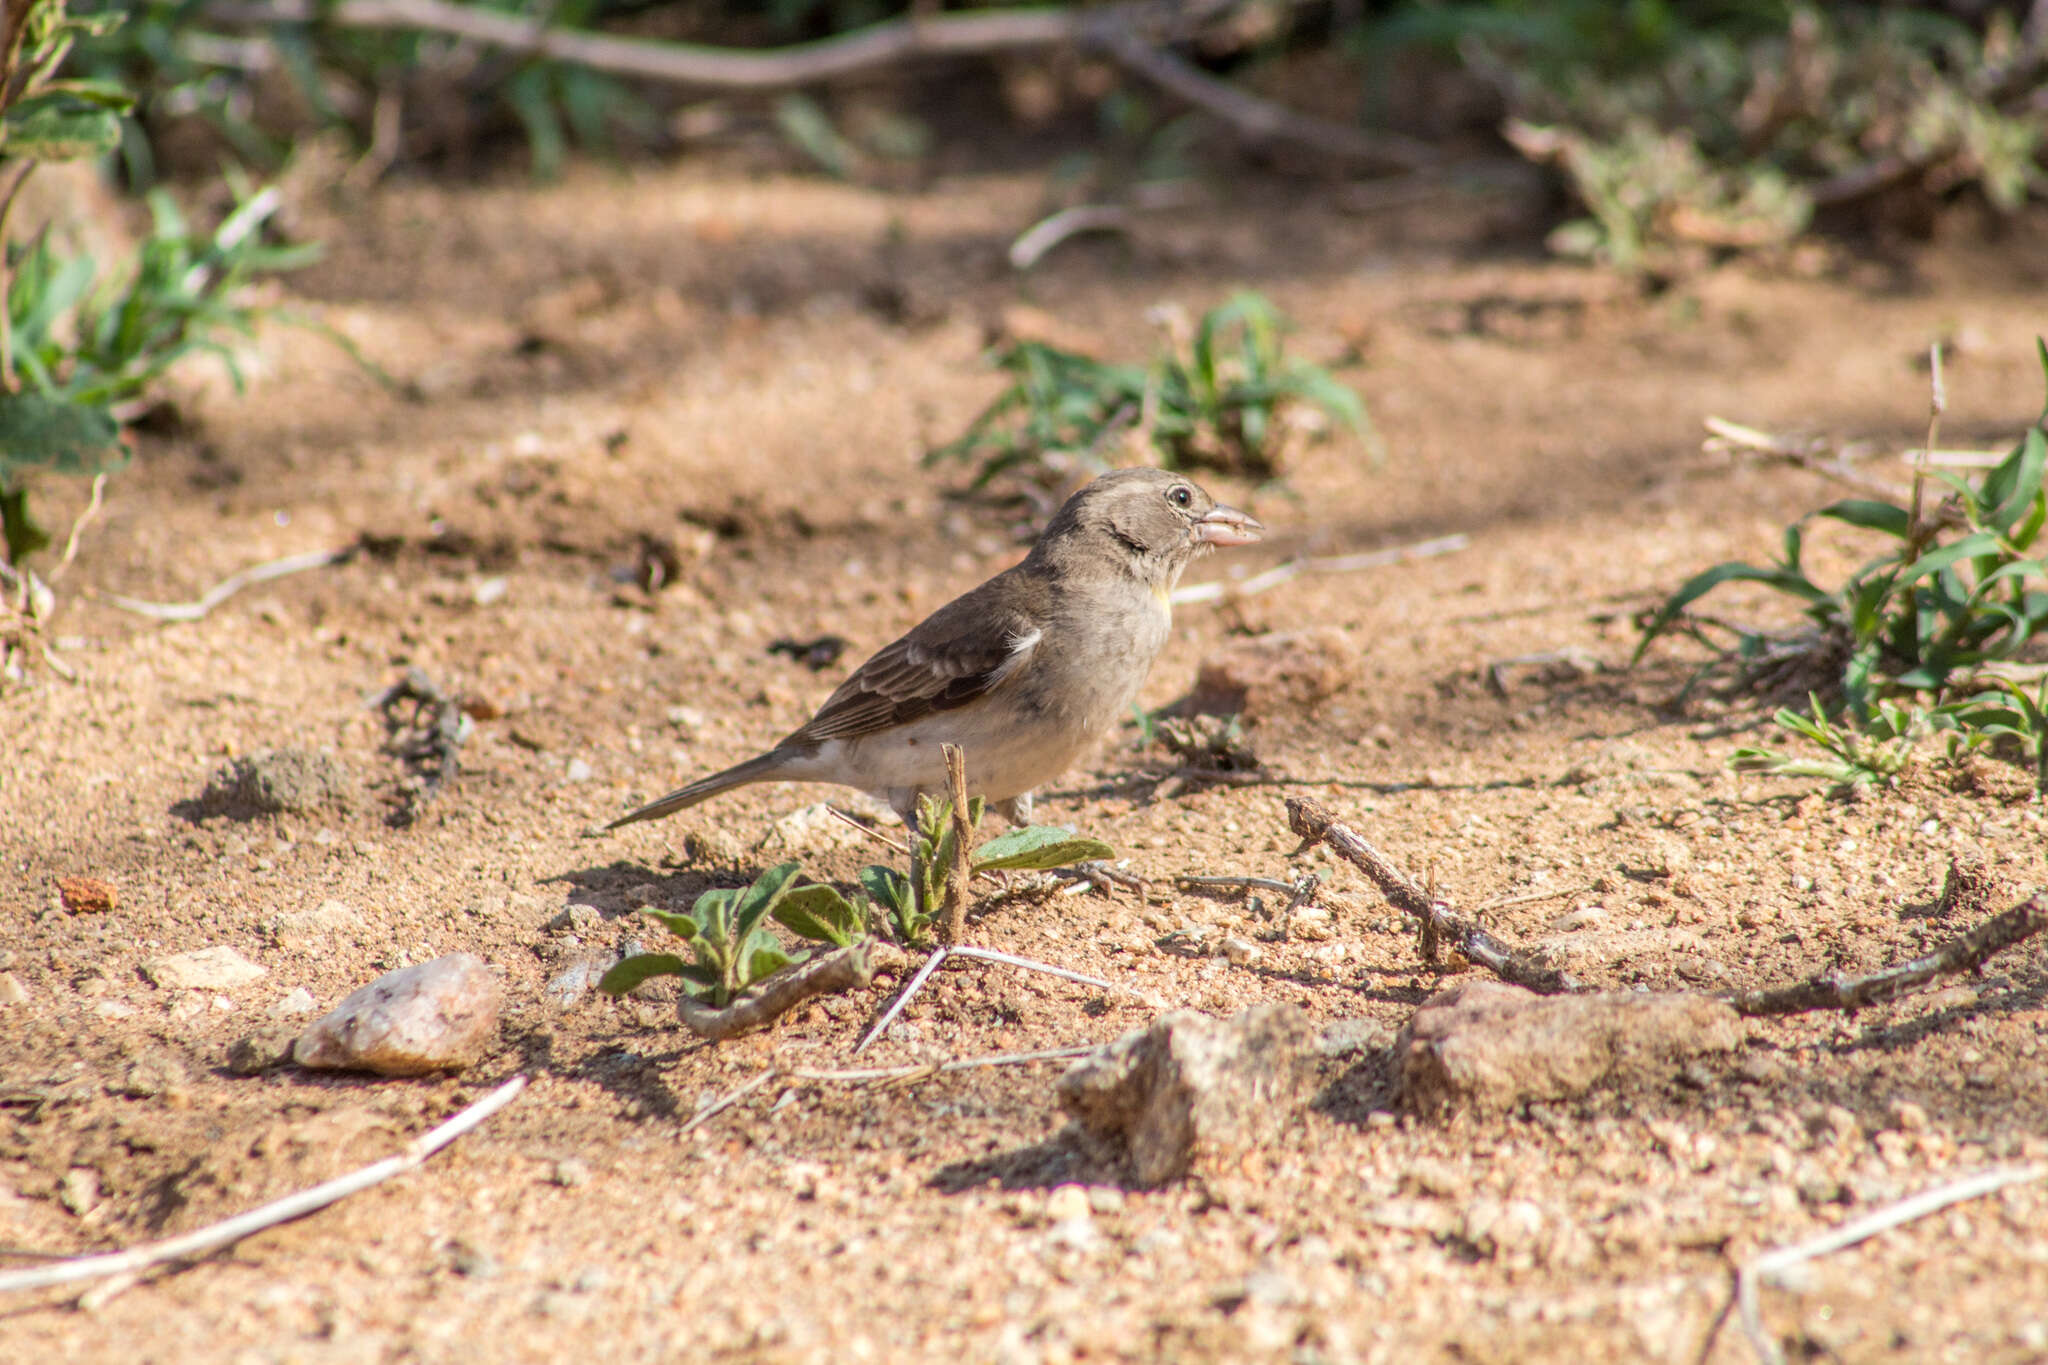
1030,965
269,1215
222,591
99,486
1776,1262
729,1099
1041,237
924,973
1294,568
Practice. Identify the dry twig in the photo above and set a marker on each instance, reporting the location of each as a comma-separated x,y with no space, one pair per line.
226,588
1315,825
843,969
1963,953
953,912
195,1244
1128,34
1820,455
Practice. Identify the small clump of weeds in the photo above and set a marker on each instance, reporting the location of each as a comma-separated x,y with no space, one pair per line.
732,947
1939,633
1222,395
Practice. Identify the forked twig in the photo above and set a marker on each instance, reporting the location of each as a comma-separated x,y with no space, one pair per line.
193,1244
924,974
1315,825
1772,1263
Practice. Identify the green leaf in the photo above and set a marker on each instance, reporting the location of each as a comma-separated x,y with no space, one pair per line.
1700,584
1871,515
41,431
682,926
1037,847
629,972
106,94
885,886
52,133
2011,488
820,913
757,900
761,955
19,530
713,913
1934,561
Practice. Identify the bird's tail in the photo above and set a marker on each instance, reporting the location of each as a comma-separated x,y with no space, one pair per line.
765,768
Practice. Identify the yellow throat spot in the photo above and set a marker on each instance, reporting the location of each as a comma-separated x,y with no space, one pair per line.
1165,598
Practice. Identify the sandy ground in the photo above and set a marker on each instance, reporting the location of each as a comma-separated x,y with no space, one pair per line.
747,368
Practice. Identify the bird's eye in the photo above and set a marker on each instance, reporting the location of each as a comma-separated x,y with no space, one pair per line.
1180,495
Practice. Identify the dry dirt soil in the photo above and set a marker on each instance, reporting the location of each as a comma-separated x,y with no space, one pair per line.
746,369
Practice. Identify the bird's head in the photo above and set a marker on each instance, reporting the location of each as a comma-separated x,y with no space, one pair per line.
1154,518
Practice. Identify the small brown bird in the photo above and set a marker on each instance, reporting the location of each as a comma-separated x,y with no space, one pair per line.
1023,673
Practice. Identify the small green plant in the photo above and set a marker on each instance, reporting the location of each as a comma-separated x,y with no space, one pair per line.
1956,590
1907,642
2007,713
732,947
1217,400
910,908
1875,753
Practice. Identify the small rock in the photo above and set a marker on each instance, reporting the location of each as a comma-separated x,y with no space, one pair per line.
1105,1199
87,895
1485,1045
1068,1202
434,1016
79,1190
1243,952
276,781
713,848
1192,1091
592,1278
1908,1117
570,1172
1311,923
219,968
1342,1037
577,771
297,1000
567,988
687,721
811,829
1269,672
320,924
1585,917
576,919
147,1076
116,1009
473,1263
260,1052
12,992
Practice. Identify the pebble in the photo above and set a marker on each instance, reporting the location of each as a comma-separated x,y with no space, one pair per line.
435,1016
578,771
1067,1203
298,1000
570,1172
218,968
567,988
12,992
322,923
79,1190
87,895
1243,952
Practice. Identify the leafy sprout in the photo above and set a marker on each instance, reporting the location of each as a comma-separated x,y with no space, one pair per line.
1219,398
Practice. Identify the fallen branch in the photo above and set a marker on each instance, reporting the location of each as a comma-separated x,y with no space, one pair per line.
1774,1263
1294,568
1127,34
194,1244
1315,825
844,969
226,588
1963,953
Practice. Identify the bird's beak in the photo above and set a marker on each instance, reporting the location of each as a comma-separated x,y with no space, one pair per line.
1226,526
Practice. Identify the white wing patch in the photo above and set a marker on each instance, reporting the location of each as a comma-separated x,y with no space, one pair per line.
1020,651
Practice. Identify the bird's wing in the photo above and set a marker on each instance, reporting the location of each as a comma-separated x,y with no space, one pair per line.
958,653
